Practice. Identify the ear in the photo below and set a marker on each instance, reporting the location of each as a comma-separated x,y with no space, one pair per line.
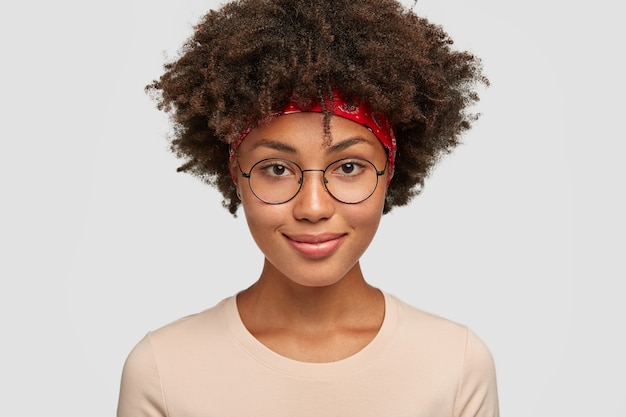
232,168
234,177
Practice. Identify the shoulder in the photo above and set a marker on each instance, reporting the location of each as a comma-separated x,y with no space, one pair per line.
438,337
181,338
422,324
165,354
452,355
211,317
190,333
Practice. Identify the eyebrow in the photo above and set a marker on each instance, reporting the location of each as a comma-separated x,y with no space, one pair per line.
276,145
346,143
337,147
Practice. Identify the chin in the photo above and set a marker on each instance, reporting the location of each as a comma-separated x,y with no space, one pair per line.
318,278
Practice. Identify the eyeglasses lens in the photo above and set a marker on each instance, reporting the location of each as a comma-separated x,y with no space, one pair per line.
277,181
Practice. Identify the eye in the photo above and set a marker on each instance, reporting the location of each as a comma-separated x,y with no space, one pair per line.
276,169
348,168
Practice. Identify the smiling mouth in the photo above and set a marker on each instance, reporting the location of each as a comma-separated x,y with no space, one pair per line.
316,246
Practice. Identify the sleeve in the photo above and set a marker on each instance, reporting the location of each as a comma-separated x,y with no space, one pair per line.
478,394
141,393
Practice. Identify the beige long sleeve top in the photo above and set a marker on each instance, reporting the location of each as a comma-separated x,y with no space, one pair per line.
208,364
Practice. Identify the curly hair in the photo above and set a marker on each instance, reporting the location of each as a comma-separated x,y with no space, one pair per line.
248,59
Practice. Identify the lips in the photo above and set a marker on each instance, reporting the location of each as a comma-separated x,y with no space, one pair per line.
316,246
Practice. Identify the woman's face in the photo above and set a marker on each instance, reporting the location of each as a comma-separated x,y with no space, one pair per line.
312,239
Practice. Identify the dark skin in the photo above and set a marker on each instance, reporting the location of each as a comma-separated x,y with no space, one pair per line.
314,324
311,302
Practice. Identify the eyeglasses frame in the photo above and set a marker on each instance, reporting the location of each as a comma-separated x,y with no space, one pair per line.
301,180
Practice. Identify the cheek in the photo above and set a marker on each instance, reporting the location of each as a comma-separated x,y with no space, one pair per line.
258,225
376,203
366,216
260,216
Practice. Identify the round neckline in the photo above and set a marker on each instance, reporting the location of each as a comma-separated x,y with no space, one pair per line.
268,358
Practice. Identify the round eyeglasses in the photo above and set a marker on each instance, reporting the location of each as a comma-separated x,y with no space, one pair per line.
277,180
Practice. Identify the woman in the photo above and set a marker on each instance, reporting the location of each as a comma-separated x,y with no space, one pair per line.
317,118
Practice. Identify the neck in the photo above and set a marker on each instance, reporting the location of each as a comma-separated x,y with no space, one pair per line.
312,324
277,301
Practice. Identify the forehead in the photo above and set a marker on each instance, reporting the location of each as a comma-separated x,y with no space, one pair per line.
308,129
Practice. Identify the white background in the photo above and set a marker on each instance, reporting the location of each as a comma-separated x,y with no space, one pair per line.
519,234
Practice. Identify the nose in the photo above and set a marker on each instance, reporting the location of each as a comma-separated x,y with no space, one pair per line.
313,202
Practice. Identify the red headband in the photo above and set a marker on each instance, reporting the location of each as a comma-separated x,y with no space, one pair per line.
360,112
